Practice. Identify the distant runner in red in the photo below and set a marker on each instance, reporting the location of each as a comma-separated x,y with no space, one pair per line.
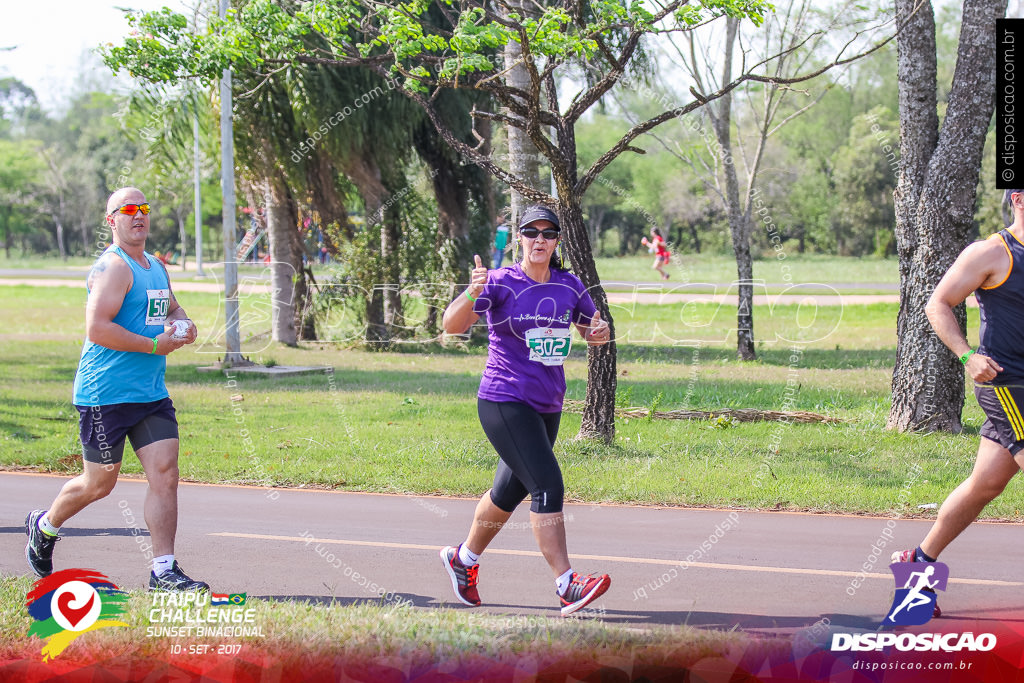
531,308
659,248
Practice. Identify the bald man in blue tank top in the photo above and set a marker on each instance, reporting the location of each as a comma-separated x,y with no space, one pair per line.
132,322
994,270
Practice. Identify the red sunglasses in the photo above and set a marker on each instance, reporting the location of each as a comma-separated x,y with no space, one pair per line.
131,209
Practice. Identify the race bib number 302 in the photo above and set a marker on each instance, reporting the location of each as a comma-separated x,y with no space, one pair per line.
549,345
156,305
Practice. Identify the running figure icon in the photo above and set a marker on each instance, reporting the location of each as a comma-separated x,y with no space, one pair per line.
915,597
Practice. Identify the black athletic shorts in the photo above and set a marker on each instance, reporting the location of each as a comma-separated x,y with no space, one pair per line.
103,428
1003,423
523,439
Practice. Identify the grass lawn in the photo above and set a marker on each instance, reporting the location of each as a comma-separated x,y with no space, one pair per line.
302,634
689,267
406,421
47,262
684,268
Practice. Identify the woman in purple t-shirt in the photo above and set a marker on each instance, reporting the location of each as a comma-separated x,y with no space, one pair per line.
531,308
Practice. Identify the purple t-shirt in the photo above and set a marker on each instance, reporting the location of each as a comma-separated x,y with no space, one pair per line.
530,332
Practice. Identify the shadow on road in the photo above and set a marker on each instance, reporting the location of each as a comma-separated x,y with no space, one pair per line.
112,531
519,619
415,600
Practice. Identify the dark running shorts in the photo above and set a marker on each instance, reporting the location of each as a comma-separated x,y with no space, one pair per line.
524,439
1004,423
103,428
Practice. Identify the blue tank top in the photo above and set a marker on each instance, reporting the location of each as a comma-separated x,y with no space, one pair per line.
106,376
1002,317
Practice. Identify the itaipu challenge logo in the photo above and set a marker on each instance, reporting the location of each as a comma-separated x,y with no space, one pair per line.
70,603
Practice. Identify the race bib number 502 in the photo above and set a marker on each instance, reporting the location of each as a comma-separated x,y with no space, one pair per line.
549,345
156,306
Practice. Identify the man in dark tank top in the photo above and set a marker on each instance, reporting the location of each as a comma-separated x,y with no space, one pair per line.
994,270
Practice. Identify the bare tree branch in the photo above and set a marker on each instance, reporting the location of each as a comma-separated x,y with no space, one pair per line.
475,156
588,177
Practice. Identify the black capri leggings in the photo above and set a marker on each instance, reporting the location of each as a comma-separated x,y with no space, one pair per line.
523,438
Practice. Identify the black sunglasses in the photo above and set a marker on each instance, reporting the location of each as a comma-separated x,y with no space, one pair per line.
530,232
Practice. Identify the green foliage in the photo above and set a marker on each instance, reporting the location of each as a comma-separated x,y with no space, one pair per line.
754,10
165,50
865,178
21,174
811,180
96,144
163,37
359,268
18,107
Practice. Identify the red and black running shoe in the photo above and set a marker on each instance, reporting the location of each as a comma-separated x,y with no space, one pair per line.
582,590
463,578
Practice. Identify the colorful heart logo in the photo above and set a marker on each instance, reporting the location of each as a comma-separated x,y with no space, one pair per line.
72,614
69,603
76,606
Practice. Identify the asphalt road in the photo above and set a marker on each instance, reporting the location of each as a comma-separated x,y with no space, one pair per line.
765,572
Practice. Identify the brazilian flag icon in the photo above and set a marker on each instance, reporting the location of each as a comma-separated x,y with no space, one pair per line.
237,598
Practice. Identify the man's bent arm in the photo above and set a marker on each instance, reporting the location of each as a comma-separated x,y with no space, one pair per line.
969,272
109,285
978,264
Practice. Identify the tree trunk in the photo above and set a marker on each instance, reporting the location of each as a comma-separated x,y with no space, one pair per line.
524,159
452,240
305,321
485,130
321,178
6,211
596,223
739,223
599,409
282,270
366,175
599,406
390,235
83,228
452,195
59,237
305,325
934,201
183,237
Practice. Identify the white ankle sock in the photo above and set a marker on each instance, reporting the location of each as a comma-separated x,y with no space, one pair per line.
562,582
162,564
467,556
46,527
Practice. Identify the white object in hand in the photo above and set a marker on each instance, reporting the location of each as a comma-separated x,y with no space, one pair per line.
180,329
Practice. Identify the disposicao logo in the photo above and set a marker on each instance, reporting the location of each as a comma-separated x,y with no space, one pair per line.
913,605
72,602
916,583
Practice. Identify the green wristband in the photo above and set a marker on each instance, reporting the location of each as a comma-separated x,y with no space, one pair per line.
154,345
963,358
470,297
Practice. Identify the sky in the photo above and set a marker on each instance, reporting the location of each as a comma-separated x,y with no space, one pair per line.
53,58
